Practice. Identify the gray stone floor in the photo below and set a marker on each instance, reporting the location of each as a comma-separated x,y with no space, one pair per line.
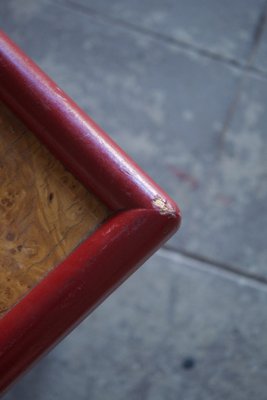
182,87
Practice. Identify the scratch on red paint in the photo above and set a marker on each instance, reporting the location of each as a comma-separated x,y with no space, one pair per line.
185,177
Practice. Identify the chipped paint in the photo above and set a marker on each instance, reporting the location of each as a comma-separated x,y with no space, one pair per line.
163,206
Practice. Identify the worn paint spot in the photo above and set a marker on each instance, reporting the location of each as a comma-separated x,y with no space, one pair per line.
163,206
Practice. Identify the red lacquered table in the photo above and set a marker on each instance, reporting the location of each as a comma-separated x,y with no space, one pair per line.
78,216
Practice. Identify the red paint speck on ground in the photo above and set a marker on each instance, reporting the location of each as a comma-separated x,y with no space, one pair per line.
185,177
224,199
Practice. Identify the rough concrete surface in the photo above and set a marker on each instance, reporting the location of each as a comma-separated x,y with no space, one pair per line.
181,86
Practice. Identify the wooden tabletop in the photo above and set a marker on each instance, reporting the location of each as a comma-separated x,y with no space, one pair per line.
44,211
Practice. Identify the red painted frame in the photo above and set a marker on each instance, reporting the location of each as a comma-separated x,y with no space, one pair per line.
144,216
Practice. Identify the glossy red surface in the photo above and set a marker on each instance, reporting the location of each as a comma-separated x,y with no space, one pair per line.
145,217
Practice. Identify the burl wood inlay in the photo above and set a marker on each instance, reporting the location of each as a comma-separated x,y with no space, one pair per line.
44,211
